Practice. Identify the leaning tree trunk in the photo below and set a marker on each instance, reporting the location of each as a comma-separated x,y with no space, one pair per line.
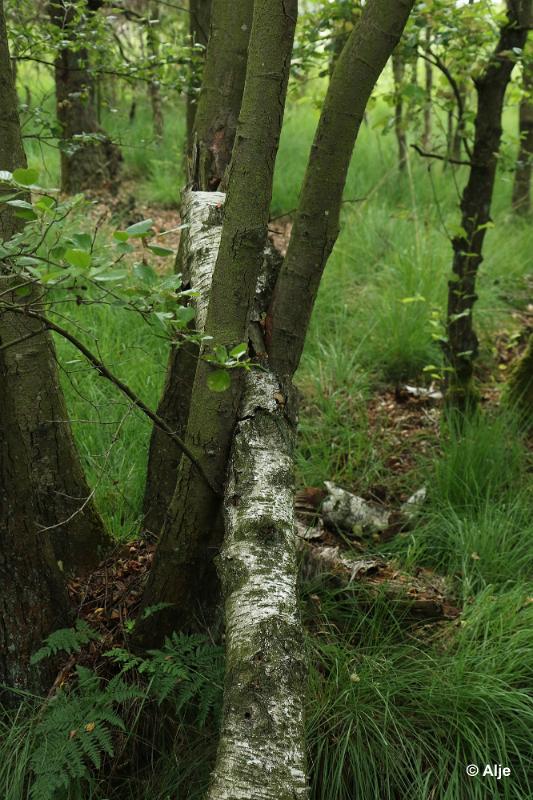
32,594
524,163
216,121
89,159
316,225
428,105
398,71
61,496
191,535
261,751
462,344
199,25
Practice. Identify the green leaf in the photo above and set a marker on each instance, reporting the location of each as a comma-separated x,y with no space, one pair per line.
219,381
184,315
112,275
26,177
163,252
221,354
26,213
140,229
121,236
144,272
78,258
239,351
82,241
20,204
45,203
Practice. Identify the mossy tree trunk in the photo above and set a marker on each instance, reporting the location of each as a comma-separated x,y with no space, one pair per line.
61,497
524,163
32,593
462,344
316,225
215,126
184,558
92,163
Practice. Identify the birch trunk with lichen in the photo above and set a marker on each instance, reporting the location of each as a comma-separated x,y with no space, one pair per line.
261,751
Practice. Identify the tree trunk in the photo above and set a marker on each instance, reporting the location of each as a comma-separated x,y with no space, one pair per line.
190,535
462,345
398,71
261,751
199,25
86,163
221,95
32,594
218,111
61,497
316,224
426,135
154,93
199,249
524,163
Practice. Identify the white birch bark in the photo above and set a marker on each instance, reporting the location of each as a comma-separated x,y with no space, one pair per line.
261,752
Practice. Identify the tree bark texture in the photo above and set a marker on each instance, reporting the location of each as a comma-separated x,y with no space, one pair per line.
261,751
32,593
58,485
190,535
462,344
221,94
199,27
316,224
218,111
201,211
398,72
84,164
524,163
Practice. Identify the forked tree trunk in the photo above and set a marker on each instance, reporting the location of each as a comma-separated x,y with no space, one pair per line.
61,497
524,163
398,71
219,106
261,751
32,593
93,162
190,535
462,343
316,225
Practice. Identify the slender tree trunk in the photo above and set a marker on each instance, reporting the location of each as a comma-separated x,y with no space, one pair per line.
524,163
190,535
261,751
84,164
199,25
462,344
61,497
221,94
316,224
398,71
218,111
32,594
152,41
426,135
